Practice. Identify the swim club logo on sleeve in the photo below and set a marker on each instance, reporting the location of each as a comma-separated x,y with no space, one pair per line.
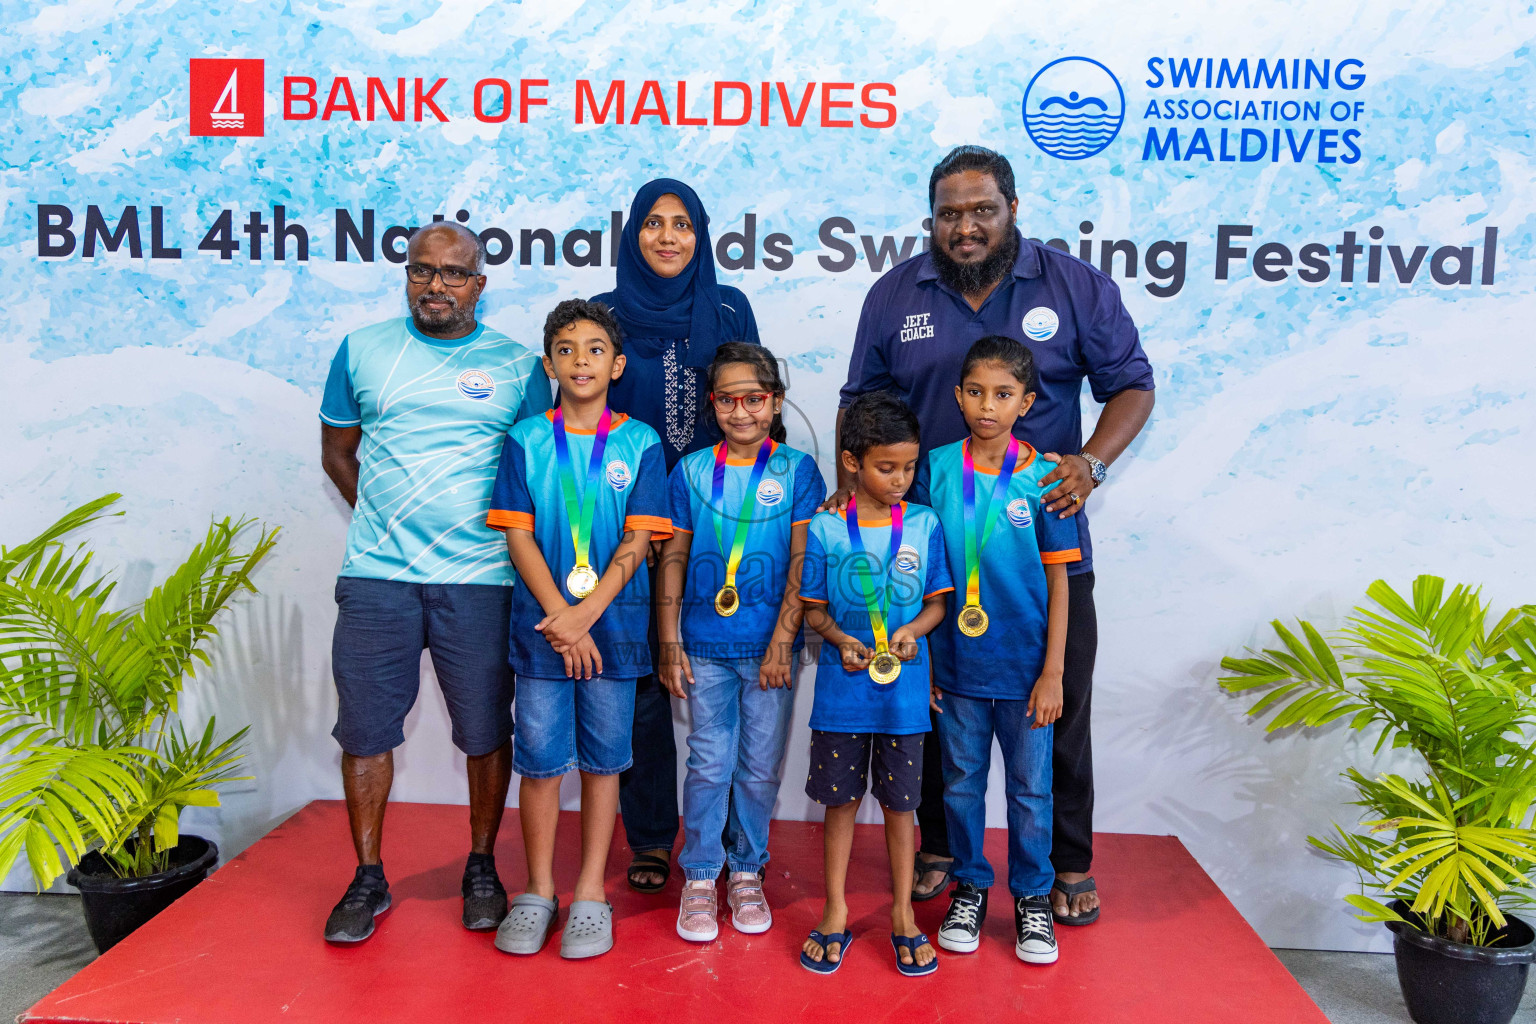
1012,575
433,415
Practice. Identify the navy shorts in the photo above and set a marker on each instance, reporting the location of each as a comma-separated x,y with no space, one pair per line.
841,763
567,724
382,626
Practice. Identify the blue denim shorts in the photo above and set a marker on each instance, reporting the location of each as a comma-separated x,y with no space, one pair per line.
382,626
569,724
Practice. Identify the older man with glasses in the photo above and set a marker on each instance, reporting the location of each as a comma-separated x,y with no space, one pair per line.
411,427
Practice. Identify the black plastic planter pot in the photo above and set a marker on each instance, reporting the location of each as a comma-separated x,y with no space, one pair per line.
115,907
1448,982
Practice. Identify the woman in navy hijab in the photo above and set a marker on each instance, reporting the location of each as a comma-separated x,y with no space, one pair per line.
674,315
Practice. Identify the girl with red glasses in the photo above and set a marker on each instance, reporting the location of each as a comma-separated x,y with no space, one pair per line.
728,618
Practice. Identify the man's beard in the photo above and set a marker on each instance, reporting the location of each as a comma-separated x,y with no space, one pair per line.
455,317
970,278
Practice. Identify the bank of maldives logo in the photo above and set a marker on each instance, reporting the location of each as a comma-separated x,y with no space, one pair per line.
1073,108
226,96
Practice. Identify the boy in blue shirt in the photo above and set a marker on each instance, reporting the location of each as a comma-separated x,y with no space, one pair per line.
998,658
580,492
873,586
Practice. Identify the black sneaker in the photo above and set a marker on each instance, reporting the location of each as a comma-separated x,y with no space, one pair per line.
961,930
366,898
485,901
1035,932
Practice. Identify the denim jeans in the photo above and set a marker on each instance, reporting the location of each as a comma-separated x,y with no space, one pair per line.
967,727
735,752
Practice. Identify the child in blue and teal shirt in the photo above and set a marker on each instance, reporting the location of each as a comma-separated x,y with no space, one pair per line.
998,655
728,619
579,492
873,586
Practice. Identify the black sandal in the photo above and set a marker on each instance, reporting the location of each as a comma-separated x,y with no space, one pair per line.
1070,889
920,868
650,862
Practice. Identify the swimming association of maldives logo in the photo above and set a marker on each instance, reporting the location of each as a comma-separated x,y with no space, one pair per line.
476,384
1073,108
226,96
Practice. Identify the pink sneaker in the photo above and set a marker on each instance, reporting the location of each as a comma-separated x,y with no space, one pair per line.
749,907
696,920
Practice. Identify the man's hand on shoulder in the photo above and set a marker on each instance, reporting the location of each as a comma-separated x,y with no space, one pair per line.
1074,482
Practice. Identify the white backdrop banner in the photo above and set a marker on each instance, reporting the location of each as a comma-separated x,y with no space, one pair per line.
1320,216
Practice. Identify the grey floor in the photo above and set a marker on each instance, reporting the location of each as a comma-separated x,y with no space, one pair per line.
43,942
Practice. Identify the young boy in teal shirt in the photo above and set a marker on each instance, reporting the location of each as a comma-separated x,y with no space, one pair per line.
873,585
580,493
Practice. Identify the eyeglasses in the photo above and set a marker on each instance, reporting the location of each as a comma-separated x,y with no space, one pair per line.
752,402
421,273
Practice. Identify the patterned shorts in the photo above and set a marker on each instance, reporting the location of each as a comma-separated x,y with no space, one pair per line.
842,762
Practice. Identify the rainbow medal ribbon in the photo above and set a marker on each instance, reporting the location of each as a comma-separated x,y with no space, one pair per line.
973,618
582,579
728,599
884,667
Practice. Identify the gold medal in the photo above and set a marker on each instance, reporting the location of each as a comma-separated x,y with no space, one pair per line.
727,600
581,581
973,621
884,667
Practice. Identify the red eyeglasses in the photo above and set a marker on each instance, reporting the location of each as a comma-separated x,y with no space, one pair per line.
752,402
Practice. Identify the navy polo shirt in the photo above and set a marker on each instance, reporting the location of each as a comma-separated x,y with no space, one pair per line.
914,333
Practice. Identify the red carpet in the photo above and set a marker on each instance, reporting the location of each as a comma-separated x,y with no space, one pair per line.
246,946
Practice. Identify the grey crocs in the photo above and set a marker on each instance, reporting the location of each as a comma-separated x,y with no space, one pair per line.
528,924
588,929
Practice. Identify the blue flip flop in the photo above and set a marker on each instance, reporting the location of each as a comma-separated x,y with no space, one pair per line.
843,938
913,969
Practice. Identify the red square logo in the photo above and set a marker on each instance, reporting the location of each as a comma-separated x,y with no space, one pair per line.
227,96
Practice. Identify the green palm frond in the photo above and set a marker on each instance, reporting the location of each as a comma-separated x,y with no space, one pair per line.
95,755
1432,672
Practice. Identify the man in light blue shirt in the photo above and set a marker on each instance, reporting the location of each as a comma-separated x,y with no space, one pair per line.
412,422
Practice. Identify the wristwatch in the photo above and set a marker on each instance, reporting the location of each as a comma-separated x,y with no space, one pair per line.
1096,469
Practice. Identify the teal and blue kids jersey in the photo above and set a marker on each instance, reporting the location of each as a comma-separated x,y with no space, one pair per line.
1004,662
632,495
787,495
851,701
433,415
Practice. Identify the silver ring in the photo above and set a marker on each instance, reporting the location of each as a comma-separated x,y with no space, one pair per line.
1075,499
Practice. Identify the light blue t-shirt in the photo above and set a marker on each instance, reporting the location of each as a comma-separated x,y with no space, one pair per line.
632,495
1004,662
787,495
851,701
433,414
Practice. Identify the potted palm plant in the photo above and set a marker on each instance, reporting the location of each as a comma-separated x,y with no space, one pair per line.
95,762
1447,850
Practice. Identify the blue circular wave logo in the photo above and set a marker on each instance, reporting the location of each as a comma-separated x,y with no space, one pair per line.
476,384
1073,108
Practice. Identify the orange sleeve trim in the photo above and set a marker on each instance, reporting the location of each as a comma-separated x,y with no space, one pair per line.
1061,557
659,526
799,522
936,593
679,529
501,519
813,600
